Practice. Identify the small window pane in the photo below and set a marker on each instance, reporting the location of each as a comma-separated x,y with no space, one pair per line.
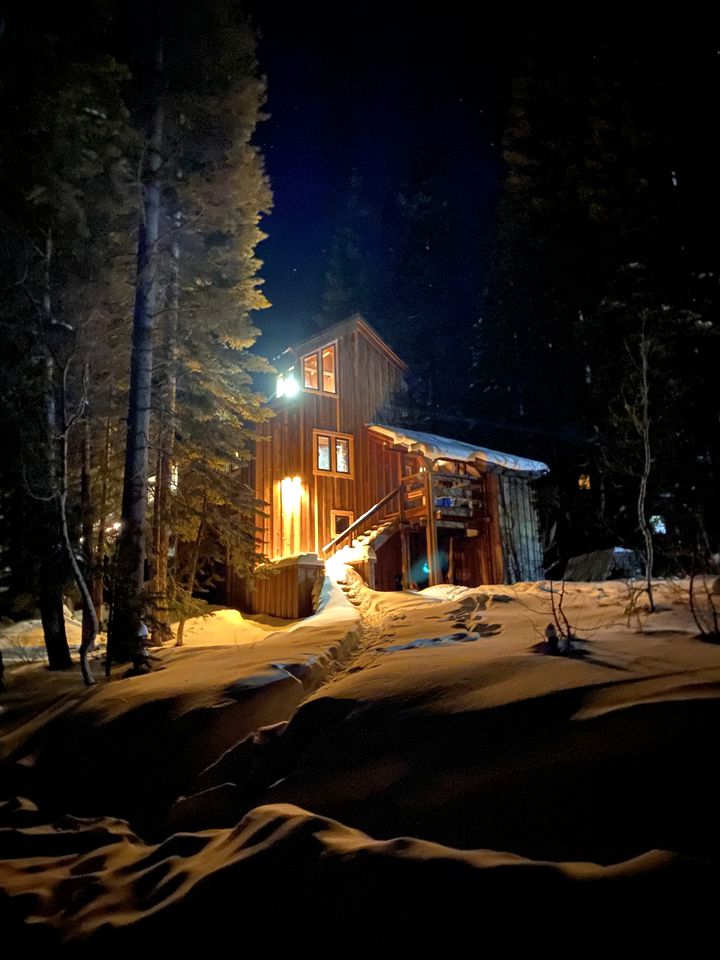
310,371
323,453
342,522
342,455
328,369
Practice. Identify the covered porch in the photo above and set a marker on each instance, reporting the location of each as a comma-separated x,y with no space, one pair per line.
460,514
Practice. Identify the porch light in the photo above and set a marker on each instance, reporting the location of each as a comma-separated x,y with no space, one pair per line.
291,493
287,386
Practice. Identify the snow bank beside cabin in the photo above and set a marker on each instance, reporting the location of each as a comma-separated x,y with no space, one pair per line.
451,723
131,745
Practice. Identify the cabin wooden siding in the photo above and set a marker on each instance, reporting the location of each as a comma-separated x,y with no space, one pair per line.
518,522
367,378
287,589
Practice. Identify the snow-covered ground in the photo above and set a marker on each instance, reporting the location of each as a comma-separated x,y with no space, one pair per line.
22,642
573,788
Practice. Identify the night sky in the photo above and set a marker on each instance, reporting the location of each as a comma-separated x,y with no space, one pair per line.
353,91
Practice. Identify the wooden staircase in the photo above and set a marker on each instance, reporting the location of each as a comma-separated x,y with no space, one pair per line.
377,534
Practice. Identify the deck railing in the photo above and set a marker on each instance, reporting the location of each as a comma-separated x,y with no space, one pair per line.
456,500
336,541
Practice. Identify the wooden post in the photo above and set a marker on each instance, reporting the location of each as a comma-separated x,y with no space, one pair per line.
371,561
431,532
405,558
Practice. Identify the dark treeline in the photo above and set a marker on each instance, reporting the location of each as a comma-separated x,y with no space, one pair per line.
131,197
598,337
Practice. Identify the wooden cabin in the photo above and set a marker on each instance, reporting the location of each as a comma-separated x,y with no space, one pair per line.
406,508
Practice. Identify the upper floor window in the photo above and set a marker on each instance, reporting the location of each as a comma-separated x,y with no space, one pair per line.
328,368
310,371
333,453
319,370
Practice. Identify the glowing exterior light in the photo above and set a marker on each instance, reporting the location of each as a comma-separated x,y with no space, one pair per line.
291,493
287,386
584,481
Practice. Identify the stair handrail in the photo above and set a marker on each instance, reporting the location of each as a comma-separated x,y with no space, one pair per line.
361,520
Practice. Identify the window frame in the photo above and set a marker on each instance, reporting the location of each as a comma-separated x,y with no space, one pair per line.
334,435
334,514
328,346
318,354
318,378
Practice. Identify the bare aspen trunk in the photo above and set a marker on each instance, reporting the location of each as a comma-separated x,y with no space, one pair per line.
123,638
98,578
52,567
89,621
647,466
89,629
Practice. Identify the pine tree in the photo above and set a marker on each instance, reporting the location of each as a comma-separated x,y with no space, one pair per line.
208,188
65,183
125,625
219,193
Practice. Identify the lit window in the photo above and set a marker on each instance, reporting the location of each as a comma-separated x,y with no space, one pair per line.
333,453
342,455
318,370
584,481
328,369
323,453
310,371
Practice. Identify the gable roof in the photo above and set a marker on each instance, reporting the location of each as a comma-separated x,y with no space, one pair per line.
356,323
433,447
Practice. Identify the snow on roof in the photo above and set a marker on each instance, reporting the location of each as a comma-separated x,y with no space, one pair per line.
434,447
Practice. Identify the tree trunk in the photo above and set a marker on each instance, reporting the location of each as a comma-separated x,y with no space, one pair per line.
89,617
166,445
52,568
98,585
52,614
647,466
192,573
86,526
124,641
89,621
